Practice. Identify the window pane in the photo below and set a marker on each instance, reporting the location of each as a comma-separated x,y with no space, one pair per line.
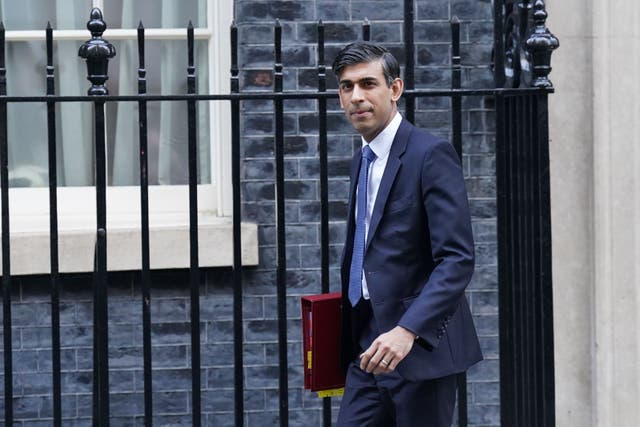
155,13
167,121
27,148
34,14
166,73
166,64
74,14
27,122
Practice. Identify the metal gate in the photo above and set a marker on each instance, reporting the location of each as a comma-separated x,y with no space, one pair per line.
524,215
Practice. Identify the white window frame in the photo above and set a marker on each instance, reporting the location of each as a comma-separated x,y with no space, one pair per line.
168,205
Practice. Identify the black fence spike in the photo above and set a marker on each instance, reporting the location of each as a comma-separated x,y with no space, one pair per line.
366,30
49,48
234,51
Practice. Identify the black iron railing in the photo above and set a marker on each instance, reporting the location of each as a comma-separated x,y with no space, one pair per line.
526,350
6,264
524,217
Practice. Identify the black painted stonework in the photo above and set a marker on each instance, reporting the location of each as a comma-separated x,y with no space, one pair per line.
170,306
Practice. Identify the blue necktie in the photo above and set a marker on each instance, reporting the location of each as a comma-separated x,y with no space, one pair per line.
355,273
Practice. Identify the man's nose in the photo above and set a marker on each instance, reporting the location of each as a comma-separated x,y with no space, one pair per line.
357,95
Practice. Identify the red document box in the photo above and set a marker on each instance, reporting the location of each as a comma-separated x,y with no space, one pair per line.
321,342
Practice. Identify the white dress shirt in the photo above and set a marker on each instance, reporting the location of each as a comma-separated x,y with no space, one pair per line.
380,145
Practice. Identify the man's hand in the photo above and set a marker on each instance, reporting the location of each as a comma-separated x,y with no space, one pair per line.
387,351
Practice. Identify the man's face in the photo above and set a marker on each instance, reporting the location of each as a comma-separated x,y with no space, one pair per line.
366,99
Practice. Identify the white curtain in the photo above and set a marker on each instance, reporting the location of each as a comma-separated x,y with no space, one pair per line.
27,125
74,120
166,61
166,73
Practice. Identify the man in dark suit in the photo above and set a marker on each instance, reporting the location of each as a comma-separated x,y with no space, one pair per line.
406,326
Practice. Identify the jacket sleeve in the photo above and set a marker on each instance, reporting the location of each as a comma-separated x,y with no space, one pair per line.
445,201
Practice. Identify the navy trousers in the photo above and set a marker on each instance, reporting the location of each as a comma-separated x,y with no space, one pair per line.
389,400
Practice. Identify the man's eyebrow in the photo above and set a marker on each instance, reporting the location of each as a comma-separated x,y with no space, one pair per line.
362,80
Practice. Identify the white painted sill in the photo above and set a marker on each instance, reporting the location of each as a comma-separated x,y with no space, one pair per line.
168,241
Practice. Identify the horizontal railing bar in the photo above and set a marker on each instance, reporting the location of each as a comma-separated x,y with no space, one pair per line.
265,95
111,34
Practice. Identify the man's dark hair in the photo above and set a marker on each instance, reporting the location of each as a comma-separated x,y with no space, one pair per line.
363,52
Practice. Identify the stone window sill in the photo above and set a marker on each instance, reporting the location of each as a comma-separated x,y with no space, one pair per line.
169,243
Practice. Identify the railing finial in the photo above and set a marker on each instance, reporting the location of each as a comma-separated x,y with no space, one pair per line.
97,52
541,43
96,24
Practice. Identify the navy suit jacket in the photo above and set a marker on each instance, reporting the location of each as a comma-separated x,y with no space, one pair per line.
419,256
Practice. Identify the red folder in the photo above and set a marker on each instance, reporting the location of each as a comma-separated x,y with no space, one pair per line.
321,342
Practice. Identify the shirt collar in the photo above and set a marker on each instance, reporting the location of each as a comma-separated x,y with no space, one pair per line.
381,144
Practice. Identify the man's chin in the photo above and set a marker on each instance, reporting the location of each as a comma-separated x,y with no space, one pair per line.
367,133
361,126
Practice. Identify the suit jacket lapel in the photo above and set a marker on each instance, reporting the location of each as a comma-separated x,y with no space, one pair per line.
398,147
355,168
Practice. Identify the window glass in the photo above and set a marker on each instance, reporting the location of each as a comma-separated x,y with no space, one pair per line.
155,14
166,64
27,122
34,14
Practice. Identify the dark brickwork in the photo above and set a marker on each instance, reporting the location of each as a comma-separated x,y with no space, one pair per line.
170,294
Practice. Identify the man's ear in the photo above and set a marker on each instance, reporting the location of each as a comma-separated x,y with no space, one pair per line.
396,89
340,96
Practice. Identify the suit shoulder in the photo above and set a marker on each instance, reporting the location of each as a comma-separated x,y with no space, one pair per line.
423,141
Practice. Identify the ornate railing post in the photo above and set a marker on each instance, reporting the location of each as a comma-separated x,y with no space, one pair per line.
97,52
541,43
527,382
